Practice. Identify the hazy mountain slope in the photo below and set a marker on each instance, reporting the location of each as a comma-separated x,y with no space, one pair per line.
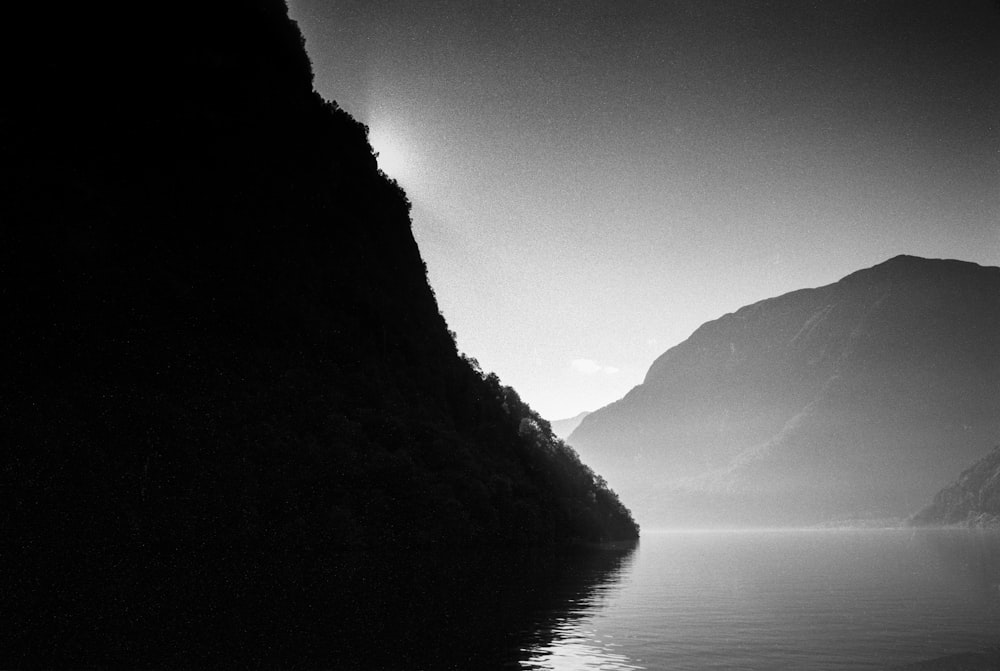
564,427
221,358
974,499
857,398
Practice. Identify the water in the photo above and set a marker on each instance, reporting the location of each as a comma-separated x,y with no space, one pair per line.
830,599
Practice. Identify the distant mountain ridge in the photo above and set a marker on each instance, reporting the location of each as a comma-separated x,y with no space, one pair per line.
855,399
562,428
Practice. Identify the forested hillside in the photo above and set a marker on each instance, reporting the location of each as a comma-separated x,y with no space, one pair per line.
221,358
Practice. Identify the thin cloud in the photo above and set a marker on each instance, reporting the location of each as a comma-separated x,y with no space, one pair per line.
591,367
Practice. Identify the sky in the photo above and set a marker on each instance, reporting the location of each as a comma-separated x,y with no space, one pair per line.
592,181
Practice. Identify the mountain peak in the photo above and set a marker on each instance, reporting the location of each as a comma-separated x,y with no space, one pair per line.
861,396
905,266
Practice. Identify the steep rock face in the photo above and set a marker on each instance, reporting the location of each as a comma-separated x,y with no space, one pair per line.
974,499
221,357
853,399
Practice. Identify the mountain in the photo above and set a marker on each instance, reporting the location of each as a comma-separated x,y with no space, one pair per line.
853,400
223,366
973,500
564,427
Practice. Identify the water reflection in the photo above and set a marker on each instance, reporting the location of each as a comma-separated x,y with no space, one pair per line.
762,601
578,653
571,640
452,611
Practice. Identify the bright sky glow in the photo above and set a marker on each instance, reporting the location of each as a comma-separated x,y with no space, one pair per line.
592,181
395,158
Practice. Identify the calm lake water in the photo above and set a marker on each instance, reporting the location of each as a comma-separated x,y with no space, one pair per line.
811,599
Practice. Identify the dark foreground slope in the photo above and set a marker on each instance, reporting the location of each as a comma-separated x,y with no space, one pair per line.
857,399
221,359
973,500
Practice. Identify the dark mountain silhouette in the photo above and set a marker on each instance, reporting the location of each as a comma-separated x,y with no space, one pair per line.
973,500
853,400
221,361
564,427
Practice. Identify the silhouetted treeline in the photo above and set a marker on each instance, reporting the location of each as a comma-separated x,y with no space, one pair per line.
221,359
